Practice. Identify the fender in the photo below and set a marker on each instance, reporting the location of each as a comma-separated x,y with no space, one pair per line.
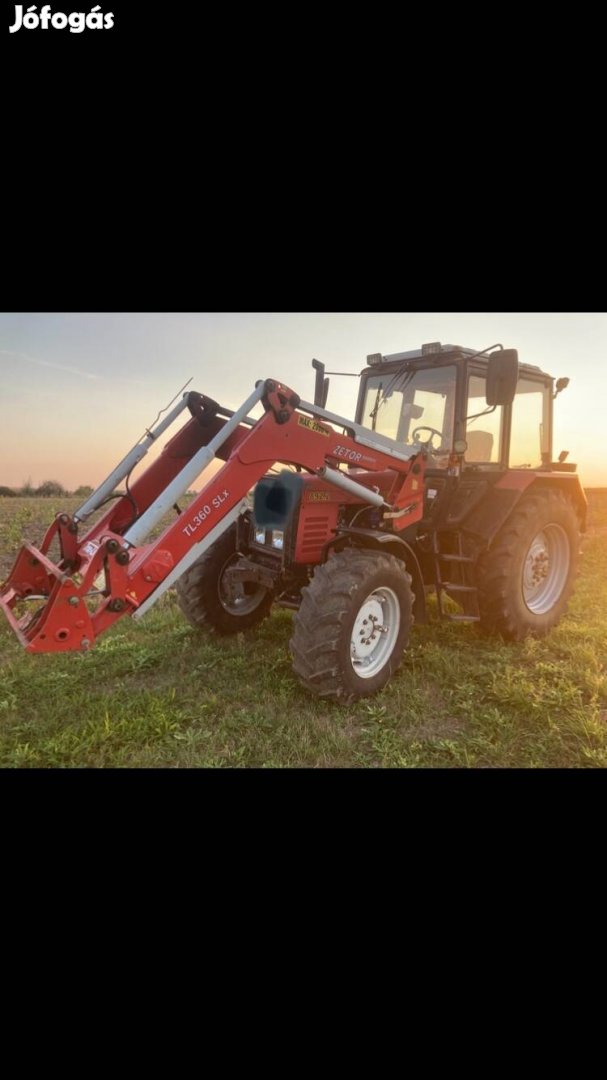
569,483
484,521
382,541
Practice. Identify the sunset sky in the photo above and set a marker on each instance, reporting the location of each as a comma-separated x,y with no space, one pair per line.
78,390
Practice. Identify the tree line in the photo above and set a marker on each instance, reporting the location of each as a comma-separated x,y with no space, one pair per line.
48,489
52,489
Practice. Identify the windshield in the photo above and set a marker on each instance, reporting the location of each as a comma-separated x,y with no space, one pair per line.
398,404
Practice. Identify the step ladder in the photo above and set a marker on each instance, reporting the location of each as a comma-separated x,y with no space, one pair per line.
448,565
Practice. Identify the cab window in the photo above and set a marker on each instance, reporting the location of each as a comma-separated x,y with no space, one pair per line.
529,434
398,404
483,427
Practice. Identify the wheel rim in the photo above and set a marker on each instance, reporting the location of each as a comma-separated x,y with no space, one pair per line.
242,602
375,632
546,569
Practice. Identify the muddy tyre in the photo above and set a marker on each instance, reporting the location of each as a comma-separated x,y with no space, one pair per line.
527,576
353,624
203,597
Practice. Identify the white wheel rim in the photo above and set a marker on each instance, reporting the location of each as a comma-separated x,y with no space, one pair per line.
374,633
546,569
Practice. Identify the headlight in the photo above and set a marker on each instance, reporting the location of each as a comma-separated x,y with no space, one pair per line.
273,538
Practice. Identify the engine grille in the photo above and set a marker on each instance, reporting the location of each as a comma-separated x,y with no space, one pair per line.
316,530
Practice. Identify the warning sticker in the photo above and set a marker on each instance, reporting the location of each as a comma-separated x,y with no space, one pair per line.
313,425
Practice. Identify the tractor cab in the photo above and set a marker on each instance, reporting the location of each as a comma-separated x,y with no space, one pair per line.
468,410
476,415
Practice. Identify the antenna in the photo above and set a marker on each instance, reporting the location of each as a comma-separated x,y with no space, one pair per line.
156,418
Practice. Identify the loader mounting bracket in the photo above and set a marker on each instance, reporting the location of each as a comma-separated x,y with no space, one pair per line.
202,408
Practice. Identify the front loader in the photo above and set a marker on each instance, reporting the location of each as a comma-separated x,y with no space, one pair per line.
366,517
110,569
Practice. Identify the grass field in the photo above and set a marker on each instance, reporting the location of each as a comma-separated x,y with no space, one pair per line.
159,694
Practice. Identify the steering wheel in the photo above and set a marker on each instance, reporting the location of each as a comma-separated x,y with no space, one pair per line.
433,431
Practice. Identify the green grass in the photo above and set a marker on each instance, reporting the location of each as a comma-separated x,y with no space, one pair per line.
159,694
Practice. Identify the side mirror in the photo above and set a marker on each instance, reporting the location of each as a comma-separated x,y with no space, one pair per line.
502,377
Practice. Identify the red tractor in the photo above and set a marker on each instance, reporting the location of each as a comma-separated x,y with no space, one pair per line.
444,482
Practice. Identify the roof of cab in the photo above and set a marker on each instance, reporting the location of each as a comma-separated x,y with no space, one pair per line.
418,354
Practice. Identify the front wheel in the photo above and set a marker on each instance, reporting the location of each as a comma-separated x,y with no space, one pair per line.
353,624
208,603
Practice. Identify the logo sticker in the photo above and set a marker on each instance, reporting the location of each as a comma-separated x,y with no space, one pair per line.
345,452
312,425
204,512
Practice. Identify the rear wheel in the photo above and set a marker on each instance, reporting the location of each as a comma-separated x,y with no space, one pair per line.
353,624
207,602
527,577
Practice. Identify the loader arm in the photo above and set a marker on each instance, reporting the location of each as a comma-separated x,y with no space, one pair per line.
57,606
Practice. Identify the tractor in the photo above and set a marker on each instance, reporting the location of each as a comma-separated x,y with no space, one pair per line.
443,483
